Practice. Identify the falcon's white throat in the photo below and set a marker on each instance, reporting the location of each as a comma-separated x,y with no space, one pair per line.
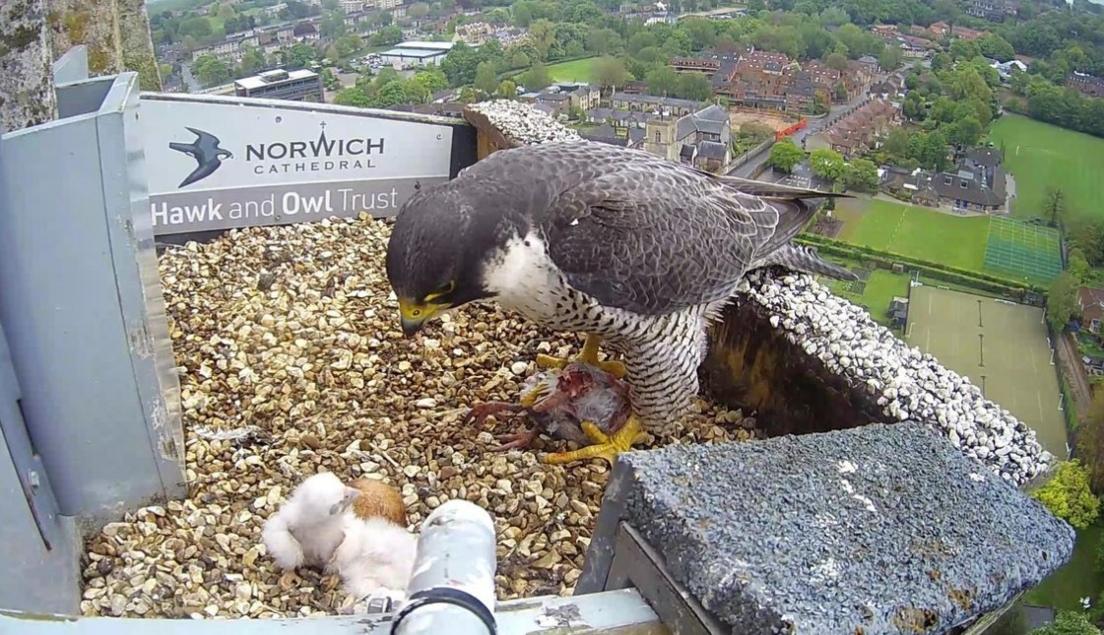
524,279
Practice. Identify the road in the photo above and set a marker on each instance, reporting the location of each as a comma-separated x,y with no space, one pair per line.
755,163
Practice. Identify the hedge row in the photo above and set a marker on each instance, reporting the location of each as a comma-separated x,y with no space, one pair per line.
955,275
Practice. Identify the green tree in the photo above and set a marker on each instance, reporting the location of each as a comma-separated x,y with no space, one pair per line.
519,60
994,46
1054,203
966,131
353,96
210,70
1068,623
298,56
694,86
507,89
1061,301
896,143
785,154
610,72
861,175
252,60
827,164
662,81
485,78
1078,267
536,78
890,58
432,78
836,61
1090,441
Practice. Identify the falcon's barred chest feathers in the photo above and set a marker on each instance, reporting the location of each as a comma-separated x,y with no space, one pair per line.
581,236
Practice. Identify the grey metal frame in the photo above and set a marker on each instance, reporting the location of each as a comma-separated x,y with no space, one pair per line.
82,305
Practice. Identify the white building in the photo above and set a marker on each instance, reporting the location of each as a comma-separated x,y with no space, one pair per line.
352,6
388,4
416,53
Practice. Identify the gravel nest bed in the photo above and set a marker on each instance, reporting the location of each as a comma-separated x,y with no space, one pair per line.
291,362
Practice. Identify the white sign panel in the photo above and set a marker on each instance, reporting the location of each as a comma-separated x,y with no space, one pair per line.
217,164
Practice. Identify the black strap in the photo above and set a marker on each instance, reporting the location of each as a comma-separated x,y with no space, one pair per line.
447,595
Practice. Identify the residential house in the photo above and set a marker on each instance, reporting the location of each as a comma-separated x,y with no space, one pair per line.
619,118
941,30
702,138
1005,69
992,10
670,106
351,6
1091,303
859,131
869,64
474,34
1087,85
273,11
976,183
604,133
562,98
914,47
887,32
305,32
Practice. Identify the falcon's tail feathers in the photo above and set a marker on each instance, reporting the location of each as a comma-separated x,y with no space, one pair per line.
805,259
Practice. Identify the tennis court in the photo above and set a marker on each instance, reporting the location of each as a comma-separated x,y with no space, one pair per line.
1023,250
1001,346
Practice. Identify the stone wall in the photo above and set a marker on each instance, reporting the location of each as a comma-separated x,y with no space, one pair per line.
26,95
34,33
116,32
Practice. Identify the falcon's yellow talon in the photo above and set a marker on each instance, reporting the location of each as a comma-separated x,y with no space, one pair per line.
605,446
615,368
547,361
589,356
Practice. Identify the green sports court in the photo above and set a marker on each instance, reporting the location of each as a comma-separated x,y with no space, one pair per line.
1001,346
1023,250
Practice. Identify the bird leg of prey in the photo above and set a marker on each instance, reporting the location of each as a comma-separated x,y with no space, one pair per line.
605,446
589,355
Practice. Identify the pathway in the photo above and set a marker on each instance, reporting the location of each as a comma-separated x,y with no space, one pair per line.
1074,371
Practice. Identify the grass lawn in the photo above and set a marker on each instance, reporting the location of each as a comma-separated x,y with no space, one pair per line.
1079,578
1040,155
573,71
876,292
914,231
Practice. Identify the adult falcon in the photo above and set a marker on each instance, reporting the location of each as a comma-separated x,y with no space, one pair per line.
625,246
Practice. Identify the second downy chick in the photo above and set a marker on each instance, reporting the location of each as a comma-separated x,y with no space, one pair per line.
377,556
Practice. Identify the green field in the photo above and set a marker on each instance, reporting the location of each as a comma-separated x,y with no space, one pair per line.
1040,155
874,293
1077,579
914,231
1001,346
573,71
993,245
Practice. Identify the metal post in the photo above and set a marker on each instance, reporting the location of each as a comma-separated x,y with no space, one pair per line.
452,590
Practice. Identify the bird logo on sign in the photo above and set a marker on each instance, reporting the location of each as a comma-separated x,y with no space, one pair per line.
207,153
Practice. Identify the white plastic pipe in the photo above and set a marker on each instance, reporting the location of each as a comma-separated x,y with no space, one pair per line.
453,589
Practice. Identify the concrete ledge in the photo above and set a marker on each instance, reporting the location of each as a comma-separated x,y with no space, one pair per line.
876,529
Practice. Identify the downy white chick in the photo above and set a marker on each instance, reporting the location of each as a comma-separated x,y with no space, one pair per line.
309,526
376,557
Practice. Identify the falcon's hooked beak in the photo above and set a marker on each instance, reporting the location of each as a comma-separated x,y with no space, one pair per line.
415,314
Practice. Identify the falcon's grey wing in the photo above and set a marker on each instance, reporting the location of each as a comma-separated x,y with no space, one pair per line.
657,242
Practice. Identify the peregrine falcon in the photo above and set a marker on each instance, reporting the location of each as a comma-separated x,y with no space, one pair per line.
627,247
